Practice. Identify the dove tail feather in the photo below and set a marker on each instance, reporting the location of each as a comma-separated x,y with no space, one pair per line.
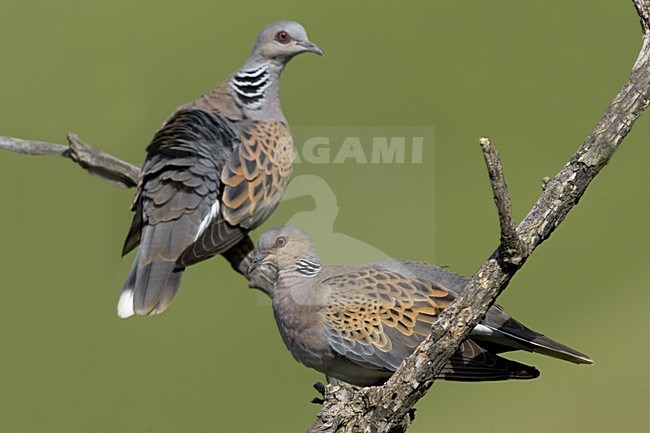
473,363
512,335
149,288
545,346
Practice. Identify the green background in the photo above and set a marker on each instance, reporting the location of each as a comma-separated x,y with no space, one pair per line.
533,76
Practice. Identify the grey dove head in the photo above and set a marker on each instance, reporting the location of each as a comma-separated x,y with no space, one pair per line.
281,41
282,247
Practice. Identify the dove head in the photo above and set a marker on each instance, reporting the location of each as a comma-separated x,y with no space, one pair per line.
284,247
280,41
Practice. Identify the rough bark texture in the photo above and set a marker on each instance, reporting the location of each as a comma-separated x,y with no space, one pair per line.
389,408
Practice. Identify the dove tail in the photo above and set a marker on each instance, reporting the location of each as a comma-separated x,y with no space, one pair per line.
473,363
515,336
545,346
149,288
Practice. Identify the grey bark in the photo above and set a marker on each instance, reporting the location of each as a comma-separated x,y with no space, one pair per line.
389,408
94,161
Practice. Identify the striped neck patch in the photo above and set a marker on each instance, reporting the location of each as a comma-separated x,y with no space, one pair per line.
308,268
250,85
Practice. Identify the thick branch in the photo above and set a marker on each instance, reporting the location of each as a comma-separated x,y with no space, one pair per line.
643,9
389,408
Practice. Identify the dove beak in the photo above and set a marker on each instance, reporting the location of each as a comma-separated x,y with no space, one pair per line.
312,48
256,262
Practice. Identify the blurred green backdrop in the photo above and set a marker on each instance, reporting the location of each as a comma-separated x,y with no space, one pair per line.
533,76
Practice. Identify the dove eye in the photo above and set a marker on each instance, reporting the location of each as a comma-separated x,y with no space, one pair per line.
282,37
280,242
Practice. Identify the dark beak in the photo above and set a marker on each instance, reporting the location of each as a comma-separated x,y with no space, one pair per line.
256,262
312,48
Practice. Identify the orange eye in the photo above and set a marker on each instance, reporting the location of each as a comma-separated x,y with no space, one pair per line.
280,242
282,37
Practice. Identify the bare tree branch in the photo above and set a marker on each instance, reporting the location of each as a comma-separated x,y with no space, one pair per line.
510,249
126,175
96,162
643,9
389,408
101,164
32,147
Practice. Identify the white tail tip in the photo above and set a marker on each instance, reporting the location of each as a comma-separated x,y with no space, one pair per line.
125,304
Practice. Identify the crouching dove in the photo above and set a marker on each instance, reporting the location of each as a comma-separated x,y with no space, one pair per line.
215,169
357,323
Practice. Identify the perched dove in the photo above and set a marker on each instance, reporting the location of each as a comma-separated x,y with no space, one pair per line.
215,170
357,323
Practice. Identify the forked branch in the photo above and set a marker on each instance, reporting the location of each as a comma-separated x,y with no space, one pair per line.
389,408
